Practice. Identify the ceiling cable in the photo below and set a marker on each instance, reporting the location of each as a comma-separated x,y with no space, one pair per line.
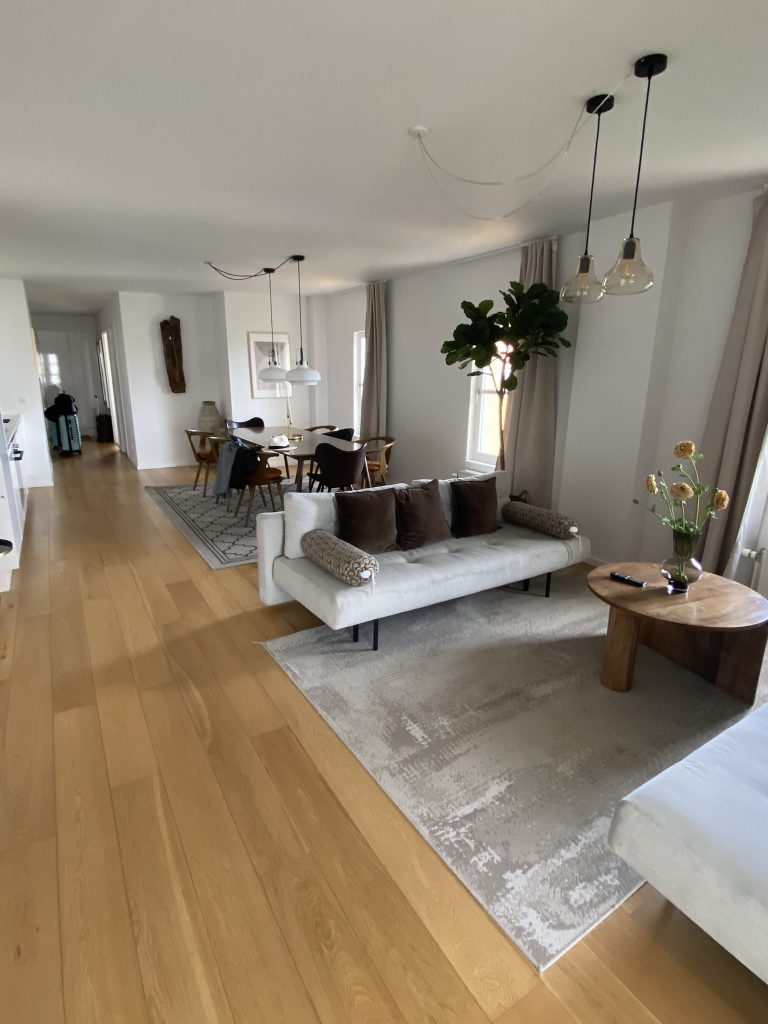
557,157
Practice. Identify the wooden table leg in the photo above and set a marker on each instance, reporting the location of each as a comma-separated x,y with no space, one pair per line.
620,650
741,661
299,477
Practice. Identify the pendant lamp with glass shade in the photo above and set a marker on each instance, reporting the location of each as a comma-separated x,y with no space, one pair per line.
585,286
302,372
273,371
629,275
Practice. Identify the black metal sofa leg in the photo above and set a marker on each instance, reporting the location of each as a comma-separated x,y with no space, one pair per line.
548,585
355,634
375,634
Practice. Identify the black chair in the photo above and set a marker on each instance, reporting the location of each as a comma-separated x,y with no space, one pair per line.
344,434
337,469
257,423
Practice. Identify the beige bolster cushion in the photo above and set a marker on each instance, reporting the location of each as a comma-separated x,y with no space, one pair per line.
344,561
519,513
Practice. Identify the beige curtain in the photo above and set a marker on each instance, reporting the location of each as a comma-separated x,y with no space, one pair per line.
373,412
738,415
530,420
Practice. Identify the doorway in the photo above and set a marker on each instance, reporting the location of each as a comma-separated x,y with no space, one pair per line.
110,384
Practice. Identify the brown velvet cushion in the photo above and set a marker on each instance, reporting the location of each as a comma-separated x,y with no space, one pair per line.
420,519
474,507
367,519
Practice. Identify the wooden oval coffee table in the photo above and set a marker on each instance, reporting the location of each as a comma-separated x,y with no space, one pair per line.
718,629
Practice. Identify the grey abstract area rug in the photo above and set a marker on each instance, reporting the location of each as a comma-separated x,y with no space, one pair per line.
218,536
485,722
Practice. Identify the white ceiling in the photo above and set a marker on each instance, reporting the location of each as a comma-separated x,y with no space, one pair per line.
142,138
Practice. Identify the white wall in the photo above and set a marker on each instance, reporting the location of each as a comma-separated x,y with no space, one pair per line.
429,401
19,381
110,320
247,311
158,416
72,338
345,314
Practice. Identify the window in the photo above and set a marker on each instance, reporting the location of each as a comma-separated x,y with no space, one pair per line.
483,432
359,371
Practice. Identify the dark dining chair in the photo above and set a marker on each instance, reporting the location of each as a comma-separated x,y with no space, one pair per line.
337,469
344,434
263,476
255,421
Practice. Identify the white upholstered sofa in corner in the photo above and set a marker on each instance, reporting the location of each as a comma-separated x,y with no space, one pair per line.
698,832
406,579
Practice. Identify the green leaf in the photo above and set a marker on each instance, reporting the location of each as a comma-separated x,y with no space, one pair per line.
485,306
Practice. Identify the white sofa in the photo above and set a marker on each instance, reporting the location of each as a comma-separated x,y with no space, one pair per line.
407,579
699,833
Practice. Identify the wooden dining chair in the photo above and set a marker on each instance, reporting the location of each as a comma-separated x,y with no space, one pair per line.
205,447
263,476
326,426
378,454
337,469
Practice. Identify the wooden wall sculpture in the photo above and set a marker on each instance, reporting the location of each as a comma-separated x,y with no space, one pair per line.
170,332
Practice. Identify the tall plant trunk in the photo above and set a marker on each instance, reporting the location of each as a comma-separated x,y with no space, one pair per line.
502,460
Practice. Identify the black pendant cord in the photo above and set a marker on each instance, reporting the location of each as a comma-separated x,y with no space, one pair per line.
301,332
244,277
640,158
592,186
271,318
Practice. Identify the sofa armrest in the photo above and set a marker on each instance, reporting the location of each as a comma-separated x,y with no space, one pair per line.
270,538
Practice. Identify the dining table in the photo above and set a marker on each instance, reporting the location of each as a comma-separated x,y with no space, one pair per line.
300,450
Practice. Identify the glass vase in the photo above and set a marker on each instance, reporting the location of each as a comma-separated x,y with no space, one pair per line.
682,569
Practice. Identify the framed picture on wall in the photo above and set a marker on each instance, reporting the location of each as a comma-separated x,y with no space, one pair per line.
259,351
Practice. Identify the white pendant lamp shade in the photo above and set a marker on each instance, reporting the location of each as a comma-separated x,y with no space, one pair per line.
585,286
273,372
302,372
628,275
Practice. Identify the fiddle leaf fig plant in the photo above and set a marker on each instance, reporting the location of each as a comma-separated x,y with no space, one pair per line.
499,343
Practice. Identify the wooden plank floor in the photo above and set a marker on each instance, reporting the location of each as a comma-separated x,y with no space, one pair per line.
183,840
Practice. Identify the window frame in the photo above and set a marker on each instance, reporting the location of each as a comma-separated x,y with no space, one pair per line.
358,364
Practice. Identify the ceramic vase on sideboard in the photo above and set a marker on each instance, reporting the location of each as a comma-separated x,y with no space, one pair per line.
210,419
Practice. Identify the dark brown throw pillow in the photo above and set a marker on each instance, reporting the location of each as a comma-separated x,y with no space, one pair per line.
474,507
367,519
420,519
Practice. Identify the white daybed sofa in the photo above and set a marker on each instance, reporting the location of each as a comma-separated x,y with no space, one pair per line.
406,579
699,833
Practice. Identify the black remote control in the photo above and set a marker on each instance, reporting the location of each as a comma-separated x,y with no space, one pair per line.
631,581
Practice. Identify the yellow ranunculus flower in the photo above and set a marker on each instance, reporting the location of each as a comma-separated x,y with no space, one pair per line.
720,500
684,449
650,484
681,490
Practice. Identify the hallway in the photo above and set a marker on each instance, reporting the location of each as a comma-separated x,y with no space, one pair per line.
184,840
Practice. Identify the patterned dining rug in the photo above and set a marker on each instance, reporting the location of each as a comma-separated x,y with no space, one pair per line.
219,537
485,722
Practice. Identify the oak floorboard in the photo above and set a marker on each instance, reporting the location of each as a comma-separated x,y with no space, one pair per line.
254,708
256,966
71,674
422,981
101,972
493,970
340,977
127,745
180,974
262,820
27,811
539,1006
9,609
150,666
674,988
30,953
